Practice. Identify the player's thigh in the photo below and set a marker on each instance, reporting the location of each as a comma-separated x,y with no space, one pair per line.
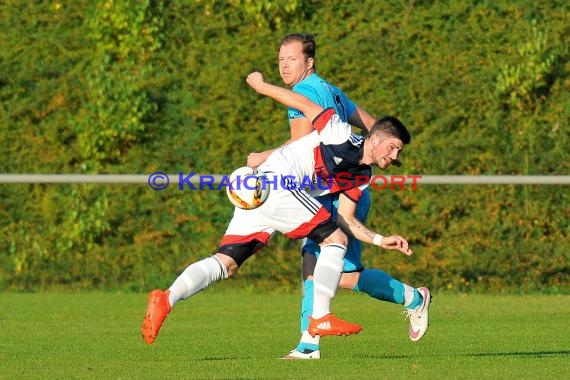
247,233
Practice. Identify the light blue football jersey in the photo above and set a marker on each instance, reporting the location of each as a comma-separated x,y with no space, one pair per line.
324,94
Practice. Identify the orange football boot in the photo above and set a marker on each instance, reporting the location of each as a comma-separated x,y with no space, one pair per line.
157,309
331,325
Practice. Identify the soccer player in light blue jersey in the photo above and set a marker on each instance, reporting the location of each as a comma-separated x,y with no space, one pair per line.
297,68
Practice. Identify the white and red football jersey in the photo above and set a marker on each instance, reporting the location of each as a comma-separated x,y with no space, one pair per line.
328,158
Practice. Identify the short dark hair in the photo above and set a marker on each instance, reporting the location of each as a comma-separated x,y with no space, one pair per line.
308,41
393,127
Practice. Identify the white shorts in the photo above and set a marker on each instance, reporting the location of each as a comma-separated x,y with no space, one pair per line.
292,212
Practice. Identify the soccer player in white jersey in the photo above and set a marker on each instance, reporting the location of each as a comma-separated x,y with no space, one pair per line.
292,211
297,67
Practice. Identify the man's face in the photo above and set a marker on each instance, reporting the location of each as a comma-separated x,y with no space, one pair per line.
293,66
386,150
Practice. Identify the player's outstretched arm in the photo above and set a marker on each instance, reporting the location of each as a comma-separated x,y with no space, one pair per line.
362,119
284,96
347,220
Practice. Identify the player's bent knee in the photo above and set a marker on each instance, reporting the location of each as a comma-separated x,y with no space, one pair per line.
321,232
228,262
337,237
349,280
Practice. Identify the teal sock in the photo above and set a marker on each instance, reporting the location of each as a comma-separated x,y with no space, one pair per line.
304,347
306,304
307,342
378,284
413,298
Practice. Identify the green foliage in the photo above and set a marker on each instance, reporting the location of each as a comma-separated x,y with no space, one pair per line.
524,82
268,13
106,87
124,37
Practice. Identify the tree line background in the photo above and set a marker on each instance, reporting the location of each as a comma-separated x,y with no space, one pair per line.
116,87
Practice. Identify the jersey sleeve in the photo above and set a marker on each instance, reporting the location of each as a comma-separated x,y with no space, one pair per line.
307,91
331,128
354,194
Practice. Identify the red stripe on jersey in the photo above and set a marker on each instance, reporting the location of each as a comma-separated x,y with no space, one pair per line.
353,194
320,122
262,237
305,229
321,172
350,185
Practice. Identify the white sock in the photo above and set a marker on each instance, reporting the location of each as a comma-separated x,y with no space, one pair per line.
409,293
326,277
197,277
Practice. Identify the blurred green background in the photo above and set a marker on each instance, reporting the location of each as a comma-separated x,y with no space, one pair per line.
119,87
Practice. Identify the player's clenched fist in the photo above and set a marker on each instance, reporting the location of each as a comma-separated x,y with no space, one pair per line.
255,80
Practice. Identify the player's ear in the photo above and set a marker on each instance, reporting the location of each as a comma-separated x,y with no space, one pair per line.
310,63
374,140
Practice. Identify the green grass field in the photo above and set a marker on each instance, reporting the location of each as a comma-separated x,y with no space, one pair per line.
232,334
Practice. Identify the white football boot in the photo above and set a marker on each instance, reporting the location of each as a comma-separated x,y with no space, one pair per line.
419,318
306,354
